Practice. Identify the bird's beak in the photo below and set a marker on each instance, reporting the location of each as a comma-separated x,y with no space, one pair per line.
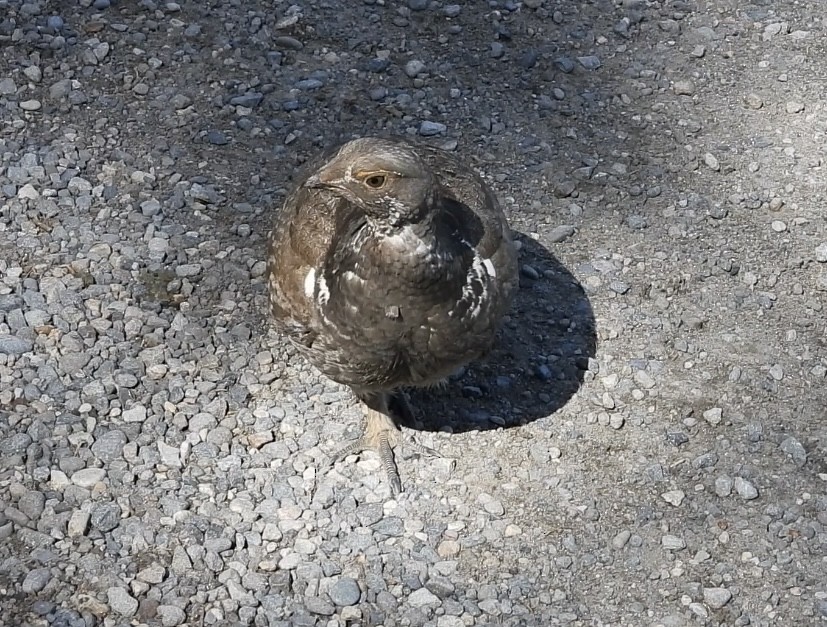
323,178
314,181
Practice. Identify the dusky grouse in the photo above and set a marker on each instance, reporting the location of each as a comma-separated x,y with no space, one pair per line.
390,265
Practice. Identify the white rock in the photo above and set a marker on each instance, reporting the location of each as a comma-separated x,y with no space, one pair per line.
423,597
88,477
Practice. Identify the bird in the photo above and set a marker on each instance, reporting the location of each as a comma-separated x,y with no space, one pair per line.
390,266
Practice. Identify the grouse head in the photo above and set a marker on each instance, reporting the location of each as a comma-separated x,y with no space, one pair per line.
386,179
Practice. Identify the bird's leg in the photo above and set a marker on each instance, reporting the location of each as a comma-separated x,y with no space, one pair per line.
401,406
382,434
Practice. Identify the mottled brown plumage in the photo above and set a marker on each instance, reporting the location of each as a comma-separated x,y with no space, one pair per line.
390,265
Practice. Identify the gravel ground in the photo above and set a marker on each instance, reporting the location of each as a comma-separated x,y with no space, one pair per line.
647,445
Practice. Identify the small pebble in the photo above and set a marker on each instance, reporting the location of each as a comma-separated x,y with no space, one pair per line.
565,231
36,580
754,101
716,598
711,162
714,415
121,601
590,62
414,68
684,88
30,105
674,497
673,543
428,129
620,540
776,372
170,615
723,486
345,592
88,477
795,450
423,598
745,489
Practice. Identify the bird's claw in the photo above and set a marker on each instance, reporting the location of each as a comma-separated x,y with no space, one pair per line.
383,443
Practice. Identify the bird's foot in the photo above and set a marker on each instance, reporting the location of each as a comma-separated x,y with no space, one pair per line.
382,435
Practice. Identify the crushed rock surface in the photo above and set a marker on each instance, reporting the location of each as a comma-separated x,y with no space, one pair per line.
646,446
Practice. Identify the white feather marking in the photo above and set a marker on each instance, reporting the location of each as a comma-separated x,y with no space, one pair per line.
490,267
310,283
476,274
324,293
352,276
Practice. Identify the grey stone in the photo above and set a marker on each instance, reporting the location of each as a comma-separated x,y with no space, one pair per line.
528,59
15,444
390,526
564,64
345,592
247,100
491,505
590,62
88,477
637,222
673,543
36,580
32,504
414,68
684,87
153,574
716,598
428,129
105,516
121,601
7,87
61,89
423,598
170,455
12,345
78,523
33,73
109,446
181,563
134,414
795,450
285,41
561,233
745,489
723,486
170,615
217,138
714,415
319,605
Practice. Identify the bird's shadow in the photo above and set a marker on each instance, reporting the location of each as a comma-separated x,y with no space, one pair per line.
537,364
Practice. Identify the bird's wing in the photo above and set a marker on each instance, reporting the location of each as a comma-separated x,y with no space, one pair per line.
298,242
462,184
473,204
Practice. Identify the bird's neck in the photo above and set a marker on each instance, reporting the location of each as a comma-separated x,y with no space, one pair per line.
416,239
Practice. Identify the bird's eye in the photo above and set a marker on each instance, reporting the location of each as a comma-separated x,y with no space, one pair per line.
376,181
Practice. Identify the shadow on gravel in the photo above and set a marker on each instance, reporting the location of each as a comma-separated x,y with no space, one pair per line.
538,363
